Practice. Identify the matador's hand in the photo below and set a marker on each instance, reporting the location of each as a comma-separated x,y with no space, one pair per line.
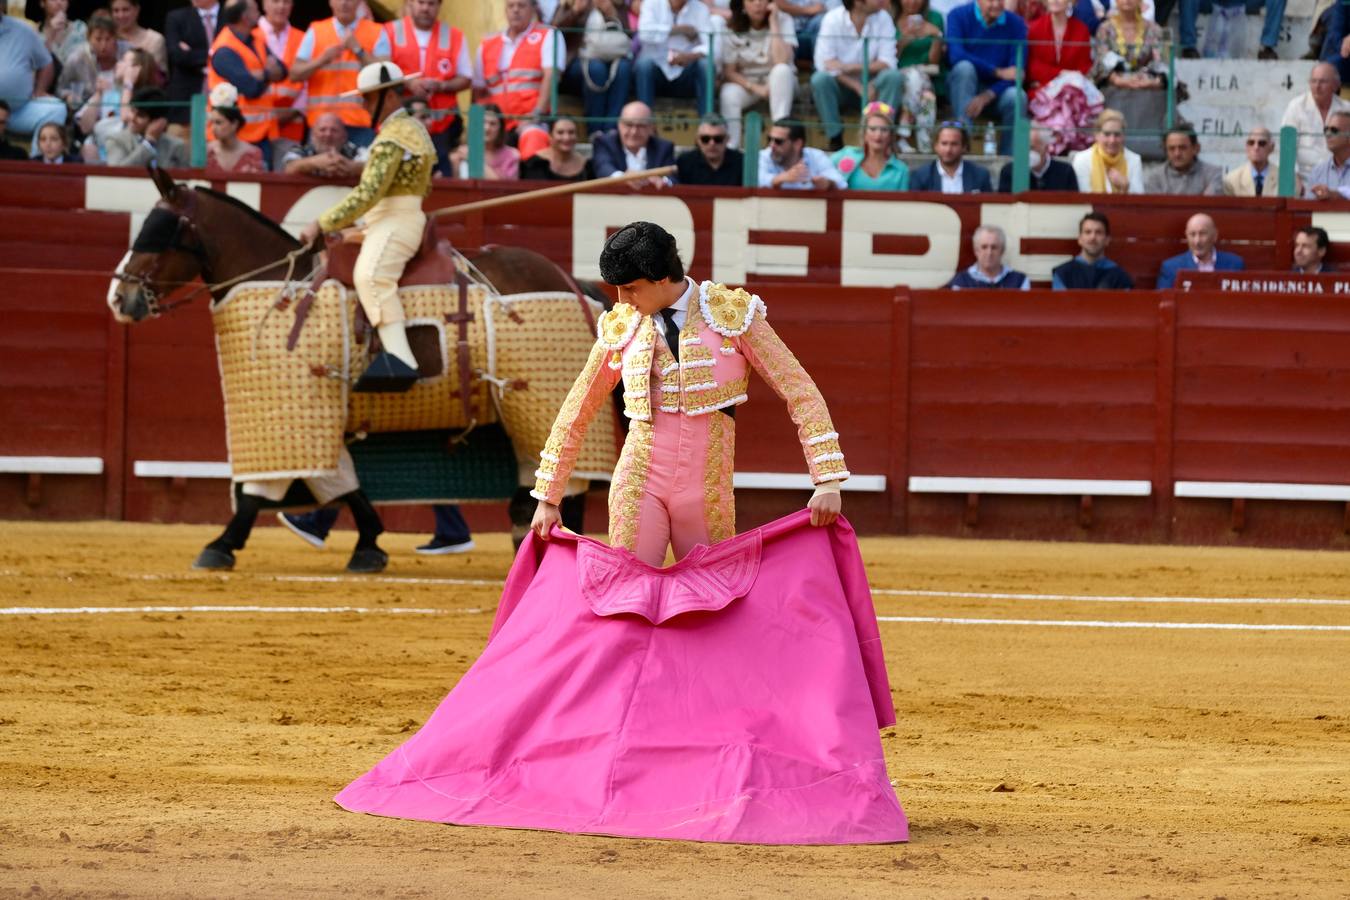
825,506
546,515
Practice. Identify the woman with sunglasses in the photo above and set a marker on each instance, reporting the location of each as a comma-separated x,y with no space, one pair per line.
873,166
756,63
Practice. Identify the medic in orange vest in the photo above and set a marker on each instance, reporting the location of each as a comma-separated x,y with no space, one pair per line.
330,56
283,41
240,57
423,43
515,68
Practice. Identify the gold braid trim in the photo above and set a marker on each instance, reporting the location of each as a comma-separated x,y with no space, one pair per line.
569,428
630,481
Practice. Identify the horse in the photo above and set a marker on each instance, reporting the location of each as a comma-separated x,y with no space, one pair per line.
197,233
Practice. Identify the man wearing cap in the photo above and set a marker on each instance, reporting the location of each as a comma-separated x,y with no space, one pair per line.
389,196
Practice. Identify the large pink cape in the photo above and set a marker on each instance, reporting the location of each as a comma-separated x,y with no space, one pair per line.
734,696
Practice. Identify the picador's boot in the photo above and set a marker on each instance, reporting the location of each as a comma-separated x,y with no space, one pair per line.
395,369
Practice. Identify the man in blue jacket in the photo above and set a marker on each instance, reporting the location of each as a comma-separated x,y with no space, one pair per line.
950,173
633,147
983,40
1203,256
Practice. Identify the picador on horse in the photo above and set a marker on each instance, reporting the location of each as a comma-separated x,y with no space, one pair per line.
455,342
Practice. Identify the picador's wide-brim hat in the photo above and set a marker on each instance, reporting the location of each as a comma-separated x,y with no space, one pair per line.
377,76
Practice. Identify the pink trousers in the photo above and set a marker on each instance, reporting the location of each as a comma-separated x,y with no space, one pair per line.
685,498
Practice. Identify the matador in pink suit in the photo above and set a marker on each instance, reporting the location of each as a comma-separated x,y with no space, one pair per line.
684,351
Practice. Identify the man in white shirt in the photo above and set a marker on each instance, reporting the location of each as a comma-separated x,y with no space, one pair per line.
839,62
787,162
1308,114
673,61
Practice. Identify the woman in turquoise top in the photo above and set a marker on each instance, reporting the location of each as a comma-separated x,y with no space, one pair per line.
874,166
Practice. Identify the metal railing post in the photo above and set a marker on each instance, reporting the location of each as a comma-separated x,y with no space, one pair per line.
198,126
1021,136
866,73
1288,160
475,139
710,75
1171,85
752,127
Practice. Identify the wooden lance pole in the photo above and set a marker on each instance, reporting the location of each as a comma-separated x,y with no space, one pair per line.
558,190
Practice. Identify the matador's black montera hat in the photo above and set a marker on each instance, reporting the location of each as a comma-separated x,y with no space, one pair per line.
640,250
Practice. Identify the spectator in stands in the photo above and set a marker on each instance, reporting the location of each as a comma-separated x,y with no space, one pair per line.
673,61
188,33
330,54
1309,112
110,111
327,154
501,161
227,153
54,146
1047,173
559,161
420,42
91,68
807,16
1130,68
1108,166
126,16
1059,57
950,173
983,43
1336,44
756,64
283,41
514,68
1090,270
1203,255
919,44
787,163
418,109
1258,176
240,58
711,161
26,77
8,150
602,70
634,146
989,243
837,80
144,139
1270,29
61,35
873,165
1310,251
1330,179
1184,172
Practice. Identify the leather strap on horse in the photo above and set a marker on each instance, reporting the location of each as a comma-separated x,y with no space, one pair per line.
464,361
302,308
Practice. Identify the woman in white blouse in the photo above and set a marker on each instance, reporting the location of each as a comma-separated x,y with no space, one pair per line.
756,53
1107,167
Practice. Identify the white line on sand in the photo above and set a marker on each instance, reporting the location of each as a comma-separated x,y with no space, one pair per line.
101,610
1122,598
1062,623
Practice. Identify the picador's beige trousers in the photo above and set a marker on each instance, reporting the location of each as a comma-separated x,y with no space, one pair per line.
394,229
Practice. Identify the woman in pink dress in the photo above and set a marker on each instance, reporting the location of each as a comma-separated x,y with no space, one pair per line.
501,162
734,696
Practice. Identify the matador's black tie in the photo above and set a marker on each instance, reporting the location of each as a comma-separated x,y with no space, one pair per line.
672,333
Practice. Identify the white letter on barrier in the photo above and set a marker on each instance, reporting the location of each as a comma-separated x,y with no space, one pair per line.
734,257
860,266
594,214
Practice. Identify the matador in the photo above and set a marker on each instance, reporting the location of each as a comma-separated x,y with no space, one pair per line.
683,351
389,196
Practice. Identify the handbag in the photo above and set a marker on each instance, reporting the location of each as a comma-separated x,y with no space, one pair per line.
605,41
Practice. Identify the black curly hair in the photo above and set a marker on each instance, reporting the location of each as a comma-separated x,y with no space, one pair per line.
640,250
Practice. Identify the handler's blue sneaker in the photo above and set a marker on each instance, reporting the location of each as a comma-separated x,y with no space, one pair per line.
439,546
298,526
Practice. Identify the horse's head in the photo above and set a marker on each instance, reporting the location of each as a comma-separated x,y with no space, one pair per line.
166,255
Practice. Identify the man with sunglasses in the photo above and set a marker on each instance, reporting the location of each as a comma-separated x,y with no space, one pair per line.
789,164
1258,176
711,162
1330,179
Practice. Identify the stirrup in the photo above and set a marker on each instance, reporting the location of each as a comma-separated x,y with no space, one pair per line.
387,374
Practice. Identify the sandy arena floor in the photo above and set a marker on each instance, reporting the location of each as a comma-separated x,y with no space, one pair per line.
167,753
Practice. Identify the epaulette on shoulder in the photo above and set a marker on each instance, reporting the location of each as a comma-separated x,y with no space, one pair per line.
617,326
728,311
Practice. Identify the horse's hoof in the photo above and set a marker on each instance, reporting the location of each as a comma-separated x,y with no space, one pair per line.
368,562
215,559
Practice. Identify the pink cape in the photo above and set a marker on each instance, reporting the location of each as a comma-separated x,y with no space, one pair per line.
734,696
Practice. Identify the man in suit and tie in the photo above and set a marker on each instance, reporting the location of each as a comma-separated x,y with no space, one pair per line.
188,33
1258,176
1047,173
949,173
633,147
1202,255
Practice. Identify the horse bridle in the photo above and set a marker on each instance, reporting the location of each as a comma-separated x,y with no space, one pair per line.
182,229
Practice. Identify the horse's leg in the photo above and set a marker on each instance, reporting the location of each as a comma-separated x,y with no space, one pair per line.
219,554
367,558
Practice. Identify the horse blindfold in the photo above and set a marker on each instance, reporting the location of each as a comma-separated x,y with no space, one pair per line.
159,233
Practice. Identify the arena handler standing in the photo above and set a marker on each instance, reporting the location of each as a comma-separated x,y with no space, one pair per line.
396,178
673,483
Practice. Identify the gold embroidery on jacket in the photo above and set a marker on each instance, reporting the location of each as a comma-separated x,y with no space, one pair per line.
630,481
